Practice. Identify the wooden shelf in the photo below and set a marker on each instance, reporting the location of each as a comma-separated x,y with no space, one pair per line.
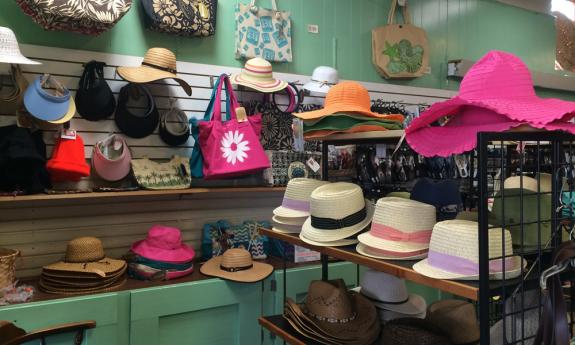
398,268
139,193
390,135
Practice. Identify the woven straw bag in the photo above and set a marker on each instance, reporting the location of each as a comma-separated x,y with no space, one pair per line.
7,266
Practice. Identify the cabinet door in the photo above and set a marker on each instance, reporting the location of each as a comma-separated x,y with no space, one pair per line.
110,311
208,312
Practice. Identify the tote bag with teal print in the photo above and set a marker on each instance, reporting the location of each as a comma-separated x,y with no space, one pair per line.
263,33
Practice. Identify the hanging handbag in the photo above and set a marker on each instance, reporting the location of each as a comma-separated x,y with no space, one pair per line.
89,17
94,98
399,50
231,148
174,174
181,17
263,32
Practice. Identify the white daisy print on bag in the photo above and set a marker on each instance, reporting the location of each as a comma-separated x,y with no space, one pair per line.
234,148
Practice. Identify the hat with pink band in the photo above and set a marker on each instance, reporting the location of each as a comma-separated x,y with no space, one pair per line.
400,230
295,203
164,244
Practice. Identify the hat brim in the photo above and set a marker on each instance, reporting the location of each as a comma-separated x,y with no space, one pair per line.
286,229
290,221
338,243
258,272
365,250
343,108
51,112
316,87
102,267
112,170
393,246
181,255
273,86
285,212
423,267
18,59
320,235
145,74
415,304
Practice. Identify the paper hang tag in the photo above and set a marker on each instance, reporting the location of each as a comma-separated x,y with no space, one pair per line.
297,130
68,134
241,115
313,165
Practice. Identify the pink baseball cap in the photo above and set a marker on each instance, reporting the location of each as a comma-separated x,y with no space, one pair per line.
496,94
111,158
164,244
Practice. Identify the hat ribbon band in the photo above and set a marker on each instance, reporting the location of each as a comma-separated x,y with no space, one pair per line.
385,302
383,252
332,320
391,234
298,205
322,82
459,265
165,69
334,224
236,269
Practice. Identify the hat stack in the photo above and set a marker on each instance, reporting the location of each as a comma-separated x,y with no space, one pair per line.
85,269
333,315
294,210
338,211
347,109
389,295
47,100
400,230
161,255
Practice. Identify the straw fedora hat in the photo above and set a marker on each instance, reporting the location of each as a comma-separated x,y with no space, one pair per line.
289,221
454,253
334,314
400,229
295,203
338,211
158,64
412,331
457,319
257,74
9,49
236,264
347,97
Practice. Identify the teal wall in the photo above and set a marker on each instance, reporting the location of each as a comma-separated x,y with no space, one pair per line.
456,29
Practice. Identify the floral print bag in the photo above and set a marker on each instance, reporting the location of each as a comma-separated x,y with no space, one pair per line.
181,17
399,50
90,17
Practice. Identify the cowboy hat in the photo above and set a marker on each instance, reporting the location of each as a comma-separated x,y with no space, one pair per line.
412,331
9,49
158,64
454,253
295,203
495,95
257,74
236,264
455,318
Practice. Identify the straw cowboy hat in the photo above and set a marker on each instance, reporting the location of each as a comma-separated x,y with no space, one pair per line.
257,74
400,230
412,331
158,64
521,318
457,319
333,315
10,51
338,211
236,264
296,198
496,94
322,79
454,253
347,97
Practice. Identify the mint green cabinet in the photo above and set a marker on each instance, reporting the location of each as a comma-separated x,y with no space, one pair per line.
109,310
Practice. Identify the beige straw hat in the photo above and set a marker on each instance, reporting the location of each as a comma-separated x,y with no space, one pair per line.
158,64
337,243
295,203
454,253
236,264
257,74
338,211
400,229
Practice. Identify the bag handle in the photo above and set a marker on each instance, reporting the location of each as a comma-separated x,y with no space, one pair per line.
93,70
209,109
274,4
404,10
226,85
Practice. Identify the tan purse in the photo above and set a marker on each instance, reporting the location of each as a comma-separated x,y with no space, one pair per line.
174,174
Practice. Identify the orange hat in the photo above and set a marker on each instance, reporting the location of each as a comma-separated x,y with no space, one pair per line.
347,96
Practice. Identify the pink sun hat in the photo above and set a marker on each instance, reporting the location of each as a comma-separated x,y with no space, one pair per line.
164,244
500,84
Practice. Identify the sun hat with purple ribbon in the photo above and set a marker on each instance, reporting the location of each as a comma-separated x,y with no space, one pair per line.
164,244
295,203
400,230
454,253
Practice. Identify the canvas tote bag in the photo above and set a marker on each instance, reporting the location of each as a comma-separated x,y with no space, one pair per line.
231,148
399,50
263,32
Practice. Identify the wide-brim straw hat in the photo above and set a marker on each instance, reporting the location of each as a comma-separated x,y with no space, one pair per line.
237,265
412,331
347,97
454,253
400,228
81,291
457,319
295,203
338,211
10,51
257,74
158,64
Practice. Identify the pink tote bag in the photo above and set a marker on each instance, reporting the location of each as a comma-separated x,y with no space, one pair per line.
231,148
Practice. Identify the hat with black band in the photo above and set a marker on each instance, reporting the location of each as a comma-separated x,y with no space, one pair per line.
94,98
174,127
136,126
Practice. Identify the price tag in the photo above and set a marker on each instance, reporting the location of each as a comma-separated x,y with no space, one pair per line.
313,165
298,141
68,134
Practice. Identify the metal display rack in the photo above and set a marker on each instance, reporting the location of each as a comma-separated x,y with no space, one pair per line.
489,295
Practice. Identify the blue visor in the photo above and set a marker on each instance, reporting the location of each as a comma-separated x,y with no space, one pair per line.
43,104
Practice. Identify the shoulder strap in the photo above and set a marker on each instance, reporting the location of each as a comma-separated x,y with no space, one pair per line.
404,11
